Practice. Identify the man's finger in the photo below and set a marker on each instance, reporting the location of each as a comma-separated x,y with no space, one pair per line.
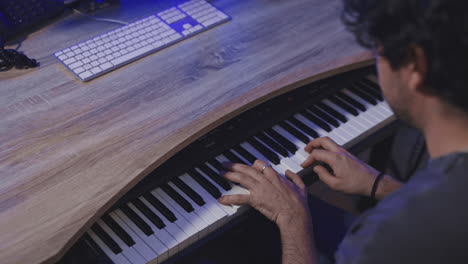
320,155
325,176
295,178
238,199
244,179
322,143
245,169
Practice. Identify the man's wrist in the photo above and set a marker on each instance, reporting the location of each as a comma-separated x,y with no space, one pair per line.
294,223
386,186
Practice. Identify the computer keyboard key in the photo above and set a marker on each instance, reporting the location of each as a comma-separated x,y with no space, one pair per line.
130,42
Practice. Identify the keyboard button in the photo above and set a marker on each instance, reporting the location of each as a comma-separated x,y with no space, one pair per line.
168,214
323,115
344,105
128,251
264,139
351,101
270,155
191,217
136,220
293,131
140,246
210,188
282,140
332,112
232,157
171,232
106,239
208,198
189,191
242,152
215,177
177,197
156,220
117,258
118,230
298,124
316,120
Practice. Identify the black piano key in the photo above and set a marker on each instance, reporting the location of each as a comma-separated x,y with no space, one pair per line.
371,84
270,155
106,238
319,122
91,245
296,133
344,105
137,220
220,180
231,156
322,114
332,112
118,230
189,191
282,140
366,97
160,207
309,131
273,144
154,218
179,199
351,101
216,164
245,154
206,184
376,94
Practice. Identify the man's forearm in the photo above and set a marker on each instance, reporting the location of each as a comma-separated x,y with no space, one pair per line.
297,242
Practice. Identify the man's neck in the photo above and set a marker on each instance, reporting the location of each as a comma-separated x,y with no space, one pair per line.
446,133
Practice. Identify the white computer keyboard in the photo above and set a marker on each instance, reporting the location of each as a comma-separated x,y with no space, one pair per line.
104,53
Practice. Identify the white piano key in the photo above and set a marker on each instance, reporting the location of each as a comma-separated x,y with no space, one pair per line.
191,217
160,234
332,134
240,157
213,209
183,239
206,196
235,188
201,211
138,236
291,165
259,155
354,128
299,144
129,252
285,162
116,258
222,191
377,111
183,223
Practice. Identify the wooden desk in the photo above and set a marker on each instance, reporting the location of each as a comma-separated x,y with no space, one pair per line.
69,150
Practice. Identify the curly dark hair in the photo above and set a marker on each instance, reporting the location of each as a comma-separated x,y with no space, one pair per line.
439,27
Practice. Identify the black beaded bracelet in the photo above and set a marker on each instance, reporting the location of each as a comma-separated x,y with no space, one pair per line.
376,183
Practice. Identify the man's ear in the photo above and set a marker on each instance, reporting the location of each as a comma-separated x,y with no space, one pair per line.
417,68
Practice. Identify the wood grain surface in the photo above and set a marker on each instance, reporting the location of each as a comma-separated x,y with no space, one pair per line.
69,150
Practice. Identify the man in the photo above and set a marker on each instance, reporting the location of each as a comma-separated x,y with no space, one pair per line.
421,51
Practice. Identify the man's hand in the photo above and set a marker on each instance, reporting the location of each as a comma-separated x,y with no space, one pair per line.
284,201
350,175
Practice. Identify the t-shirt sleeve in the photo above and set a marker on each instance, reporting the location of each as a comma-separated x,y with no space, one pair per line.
412,226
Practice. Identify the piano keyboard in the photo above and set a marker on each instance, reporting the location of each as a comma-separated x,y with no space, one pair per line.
165,220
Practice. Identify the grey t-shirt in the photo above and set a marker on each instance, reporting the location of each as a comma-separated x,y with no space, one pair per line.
426,221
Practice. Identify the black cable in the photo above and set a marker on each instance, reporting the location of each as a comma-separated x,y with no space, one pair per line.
10,58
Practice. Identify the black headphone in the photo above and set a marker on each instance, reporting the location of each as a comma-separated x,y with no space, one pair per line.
10,58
